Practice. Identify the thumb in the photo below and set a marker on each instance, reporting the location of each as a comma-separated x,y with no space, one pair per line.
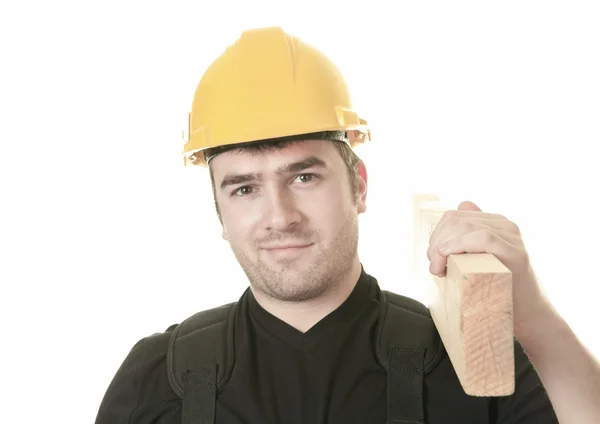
468,206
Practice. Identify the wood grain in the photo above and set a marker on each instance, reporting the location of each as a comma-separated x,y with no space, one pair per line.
474,315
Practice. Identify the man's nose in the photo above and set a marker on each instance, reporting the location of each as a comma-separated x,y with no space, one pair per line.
282,210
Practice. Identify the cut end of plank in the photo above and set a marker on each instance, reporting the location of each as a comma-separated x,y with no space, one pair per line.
487,329
473,312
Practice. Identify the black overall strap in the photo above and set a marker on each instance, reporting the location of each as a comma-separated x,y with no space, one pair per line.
199,396
405,386
200,359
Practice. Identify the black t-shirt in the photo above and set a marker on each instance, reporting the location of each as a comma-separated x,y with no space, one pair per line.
327,375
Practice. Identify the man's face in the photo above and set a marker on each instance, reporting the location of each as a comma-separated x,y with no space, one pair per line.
290,217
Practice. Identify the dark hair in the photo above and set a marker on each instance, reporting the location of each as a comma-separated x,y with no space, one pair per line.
350,158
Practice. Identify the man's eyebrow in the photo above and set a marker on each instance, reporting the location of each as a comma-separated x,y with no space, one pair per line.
234,179
289,168
294,167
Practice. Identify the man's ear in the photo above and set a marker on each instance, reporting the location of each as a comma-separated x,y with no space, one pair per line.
224,234
361,179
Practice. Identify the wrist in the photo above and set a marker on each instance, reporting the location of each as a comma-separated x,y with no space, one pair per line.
539,324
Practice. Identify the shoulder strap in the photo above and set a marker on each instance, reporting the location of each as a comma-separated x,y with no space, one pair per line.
407,324
408,347
200,359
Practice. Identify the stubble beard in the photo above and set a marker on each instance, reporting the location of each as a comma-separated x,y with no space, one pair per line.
301,280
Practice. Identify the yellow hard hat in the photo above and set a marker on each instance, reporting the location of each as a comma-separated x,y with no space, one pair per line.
269,85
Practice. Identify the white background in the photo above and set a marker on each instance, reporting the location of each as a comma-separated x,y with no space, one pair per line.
105,237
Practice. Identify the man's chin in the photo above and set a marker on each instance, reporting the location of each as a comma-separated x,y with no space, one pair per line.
291,284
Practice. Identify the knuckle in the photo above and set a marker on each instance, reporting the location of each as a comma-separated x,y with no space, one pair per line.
466,225
450,215
488,236
515,228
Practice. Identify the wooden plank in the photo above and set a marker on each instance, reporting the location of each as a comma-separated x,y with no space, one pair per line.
472,308
473,314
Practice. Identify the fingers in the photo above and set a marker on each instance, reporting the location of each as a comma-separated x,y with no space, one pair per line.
469,230
464,225
446,236
483,240
452,218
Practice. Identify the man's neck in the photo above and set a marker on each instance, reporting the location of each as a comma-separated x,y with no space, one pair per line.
304,315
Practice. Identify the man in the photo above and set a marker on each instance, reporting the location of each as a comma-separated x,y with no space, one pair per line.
272,121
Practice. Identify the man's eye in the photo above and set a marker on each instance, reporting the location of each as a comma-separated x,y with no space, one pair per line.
305,178
242,191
